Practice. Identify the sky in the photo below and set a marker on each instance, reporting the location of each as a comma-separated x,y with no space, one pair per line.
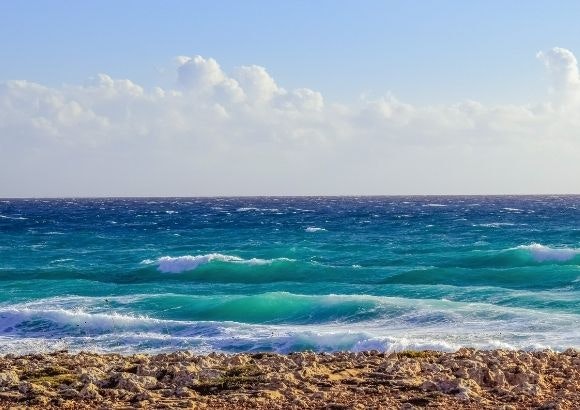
197,98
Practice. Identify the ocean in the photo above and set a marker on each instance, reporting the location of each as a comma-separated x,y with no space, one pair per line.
289,274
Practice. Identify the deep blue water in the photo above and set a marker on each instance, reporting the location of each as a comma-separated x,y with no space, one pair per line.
285,274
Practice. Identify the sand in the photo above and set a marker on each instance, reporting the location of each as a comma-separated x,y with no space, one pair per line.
466,379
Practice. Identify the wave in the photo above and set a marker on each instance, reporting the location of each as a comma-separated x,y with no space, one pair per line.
251,208
533,266
25,329
142,312
541,253
525,277
272,307
59,321
179,264
314,229
495,224
85,315
15,218
276,340
209,268
520,256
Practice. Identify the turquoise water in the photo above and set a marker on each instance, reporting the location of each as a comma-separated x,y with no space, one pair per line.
286,274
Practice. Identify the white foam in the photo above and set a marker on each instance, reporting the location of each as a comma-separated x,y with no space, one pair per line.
13,318
168,264
391,344
314,229
62,260
43,326
179,264
246,209
16,218
495,224
542,253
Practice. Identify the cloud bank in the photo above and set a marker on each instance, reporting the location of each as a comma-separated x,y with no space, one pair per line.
241,133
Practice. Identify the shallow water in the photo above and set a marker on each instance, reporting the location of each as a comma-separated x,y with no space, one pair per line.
284,274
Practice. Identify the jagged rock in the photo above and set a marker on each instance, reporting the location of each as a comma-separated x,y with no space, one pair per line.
68,393
184,378
31,388
209,373
183,392
91,375
134,383
526,388
9,378
142,396
140,358
11,396
454,386
467,379
239,360
90,392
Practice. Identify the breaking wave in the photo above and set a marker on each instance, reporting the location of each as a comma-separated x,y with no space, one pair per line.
314,229
179,264
541,253
404,324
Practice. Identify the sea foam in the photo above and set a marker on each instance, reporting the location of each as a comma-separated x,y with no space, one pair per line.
542,253
314,229
179,264
15,218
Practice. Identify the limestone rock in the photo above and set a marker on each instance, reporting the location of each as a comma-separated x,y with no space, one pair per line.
134,383
90,392
9,378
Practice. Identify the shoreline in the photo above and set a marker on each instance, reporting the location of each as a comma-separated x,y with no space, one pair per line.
465,379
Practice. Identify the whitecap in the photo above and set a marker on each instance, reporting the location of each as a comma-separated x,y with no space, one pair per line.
39,327
62,260
18,319
15,218
247,209
542,253
495,224
179,264
314,229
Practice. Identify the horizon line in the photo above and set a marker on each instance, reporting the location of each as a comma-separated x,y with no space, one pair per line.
287,196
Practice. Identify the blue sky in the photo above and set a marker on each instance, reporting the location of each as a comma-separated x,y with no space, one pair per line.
429,51
297,97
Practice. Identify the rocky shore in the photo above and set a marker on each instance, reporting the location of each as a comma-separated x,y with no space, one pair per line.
466,379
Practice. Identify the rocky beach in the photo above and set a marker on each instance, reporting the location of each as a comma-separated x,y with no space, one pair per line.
466,379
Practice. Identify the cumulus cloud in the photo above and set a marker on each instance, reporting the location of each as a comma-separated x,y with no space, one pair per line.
216,132
563,68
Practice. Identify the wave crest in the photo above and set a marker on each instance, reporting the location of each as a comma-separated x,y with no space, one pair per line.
314,229
179,264
542,253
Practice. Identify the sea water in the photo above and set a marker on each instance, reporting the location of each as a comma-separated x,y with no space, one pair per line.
287,274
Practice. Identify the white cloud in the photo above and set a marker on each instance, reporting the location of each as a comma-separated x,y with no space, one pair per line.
257,84
241,133
562,65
